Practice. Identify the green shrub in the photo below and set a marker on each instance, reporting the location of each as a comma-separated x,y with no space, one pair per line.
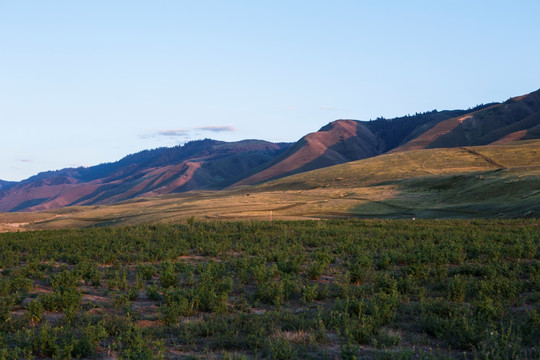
132,345
177,304
348,351
500,344
6,303
291,264
65,279
122,300
316,269
20,285
66,300
309,293
152,292
270,292
117,279
146,271
457,289
90,273
167,276
34,312
358,272
386,338
281,349
383,262
115,325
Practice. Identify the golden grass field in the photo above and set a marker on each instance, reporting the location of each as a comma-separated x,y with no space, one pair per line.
485,181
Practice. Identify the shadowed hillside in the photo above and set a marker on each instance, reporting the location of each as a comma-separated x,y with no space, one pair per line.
515,119
6,184
195,165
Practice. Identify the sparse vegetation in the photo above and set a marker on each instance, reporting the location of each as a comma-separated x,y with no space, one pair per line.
392,289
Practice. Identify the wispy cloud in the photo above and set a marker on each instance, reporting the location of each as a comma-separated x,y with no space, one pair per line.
187,132
216,128
173,132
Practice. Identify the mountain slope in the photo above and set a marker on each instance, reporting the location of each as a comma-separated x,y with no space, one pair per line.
347,140
338,142
515,119
198,164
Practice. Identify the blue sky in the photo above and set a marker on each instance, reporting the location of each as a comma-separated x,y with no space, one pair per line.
85,82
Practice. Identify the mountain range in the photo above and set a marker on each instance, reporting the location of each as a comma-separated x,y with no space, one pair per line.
216,165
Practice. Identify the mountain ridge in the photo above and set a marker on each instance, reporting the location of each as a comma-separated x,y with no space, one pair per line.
196,164
484,126
214,165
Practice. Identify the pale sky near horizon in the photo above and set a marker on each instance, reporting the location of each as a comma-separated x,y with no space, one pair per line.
86,82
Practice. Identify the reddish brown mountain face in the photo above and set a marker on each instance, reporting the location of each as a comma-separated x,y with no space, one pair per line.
209,164
196,165
338,142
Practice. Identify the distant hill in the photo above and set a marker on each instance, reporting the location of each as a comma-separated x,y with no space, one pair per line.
215,165
195,165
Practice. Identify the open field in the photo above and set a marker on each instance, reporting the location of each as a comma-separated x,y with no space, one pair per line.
488,181
335,289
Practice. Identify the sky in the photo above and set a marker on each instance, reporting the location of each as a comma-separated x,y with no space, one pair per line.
87,82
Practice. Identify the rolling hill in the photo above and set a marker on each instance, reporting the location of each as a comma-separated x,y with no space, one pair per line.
494,181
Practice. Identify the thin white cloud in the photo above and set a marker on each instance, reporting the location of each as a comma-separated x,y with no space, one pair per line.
216,128
173,132
188,132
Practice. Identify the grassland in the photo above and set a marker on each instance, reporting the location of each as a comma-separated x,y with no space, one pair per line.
336,289
500,181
